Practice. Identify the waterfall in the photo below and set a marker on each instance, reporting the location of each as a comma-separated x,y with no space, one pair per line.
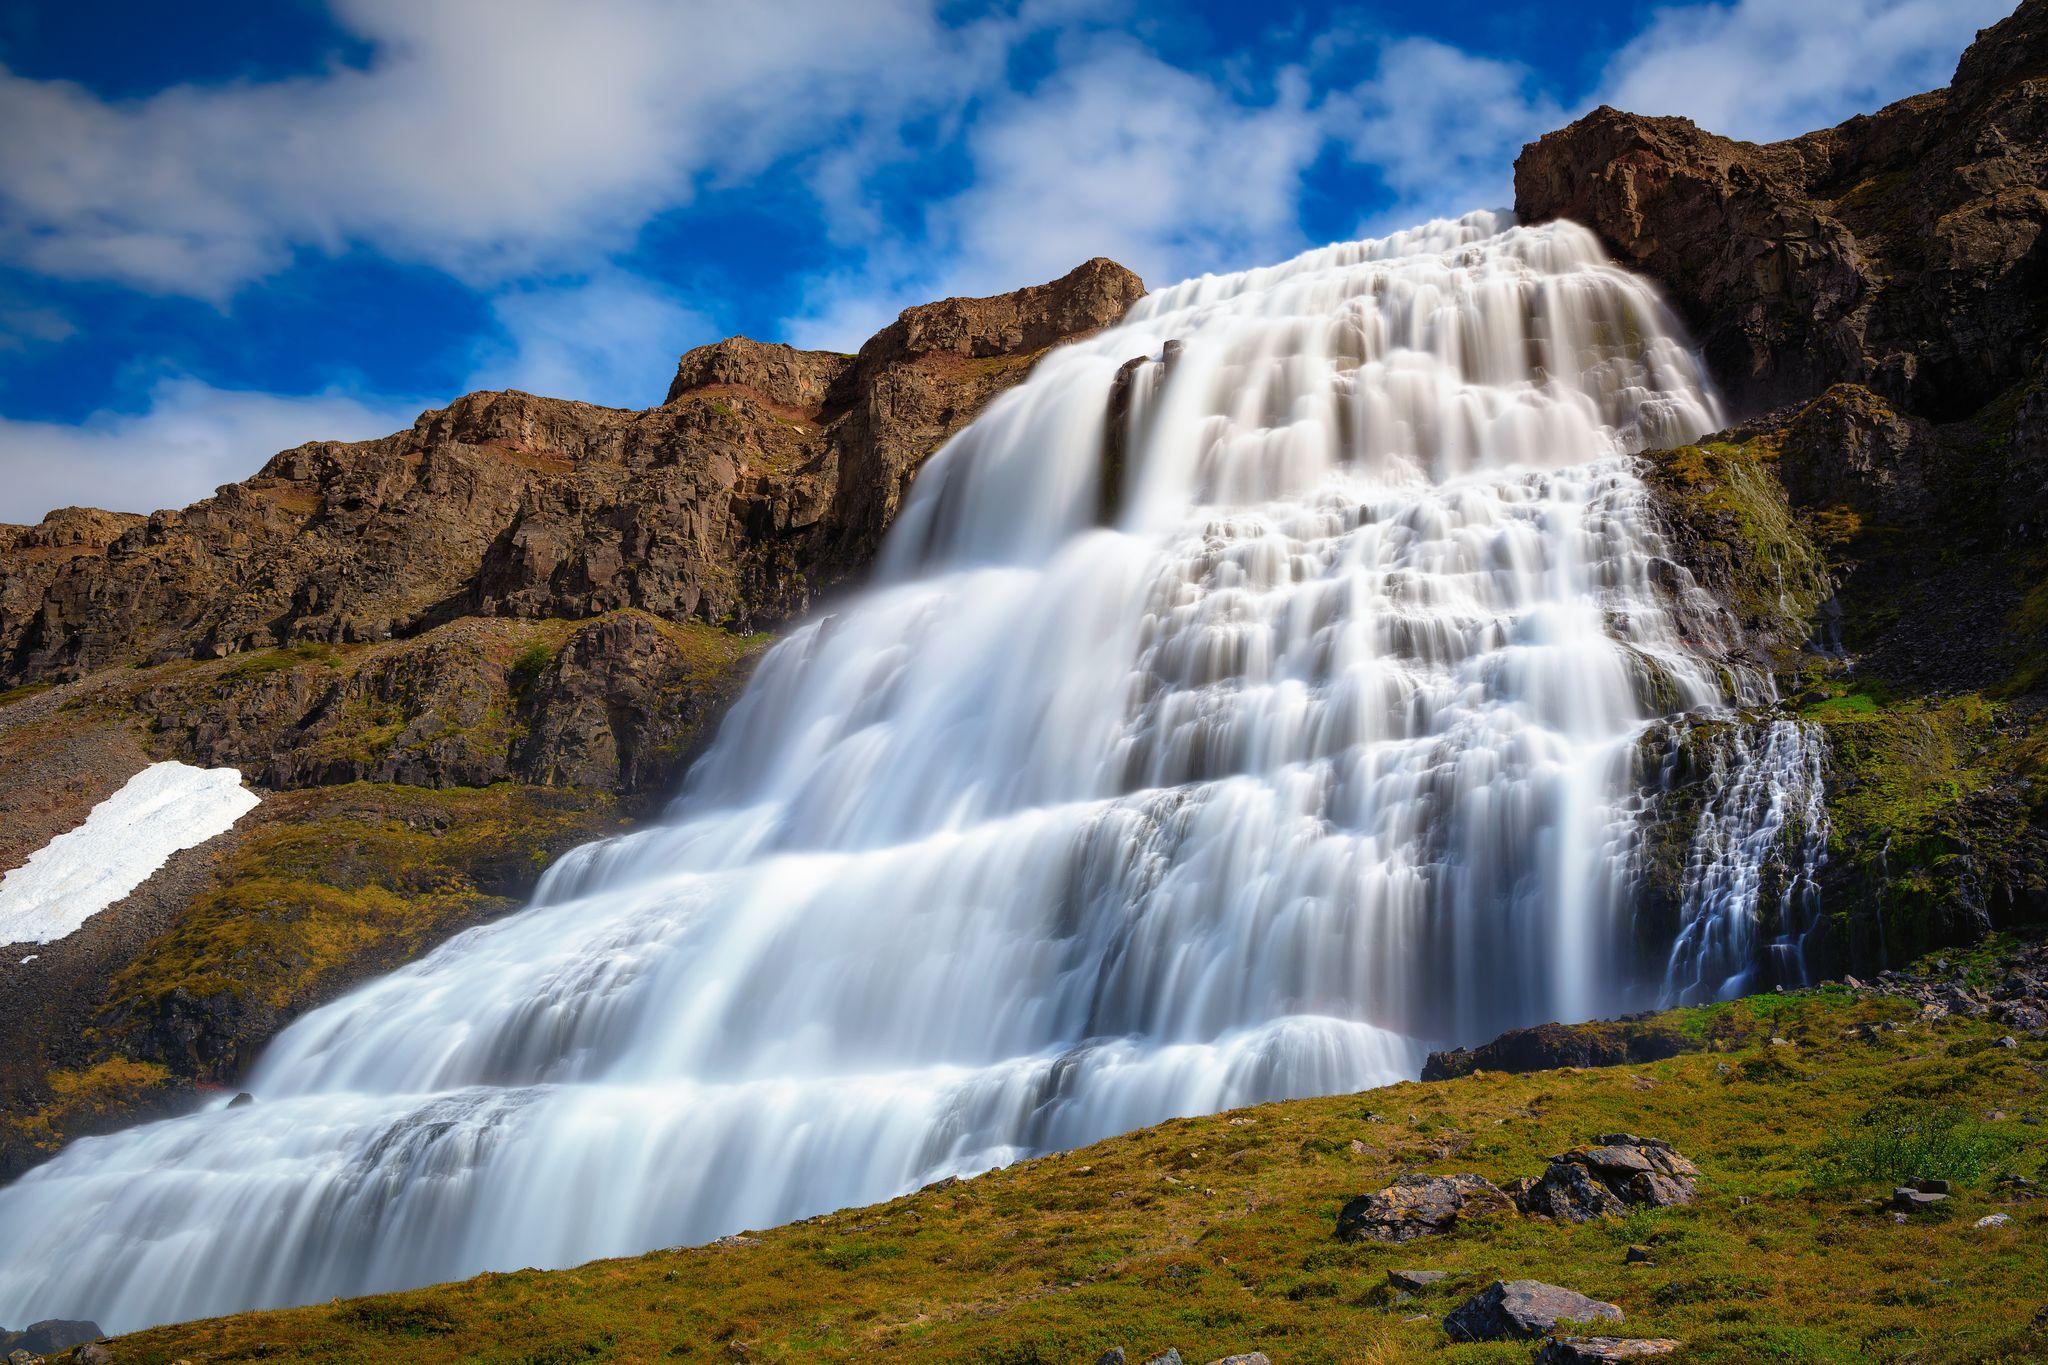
1305,745
1754,865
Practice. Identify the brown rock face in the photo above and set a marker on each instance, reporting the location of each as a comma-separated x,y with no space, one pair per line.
767,477
1899,250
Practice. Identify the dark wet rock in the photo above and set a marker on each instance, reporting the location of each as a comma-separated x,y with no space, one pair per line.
1603,1350
1523,1309
49,1336
241,1100
1547,1046
1639,1255
1418,1205
1415,1281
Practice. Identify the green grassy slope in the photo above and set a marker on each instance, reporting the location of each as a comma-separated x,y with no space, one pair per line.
1214,1235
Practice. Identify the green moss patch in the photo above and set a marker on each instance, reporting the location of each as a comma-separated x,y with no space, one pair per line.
338,883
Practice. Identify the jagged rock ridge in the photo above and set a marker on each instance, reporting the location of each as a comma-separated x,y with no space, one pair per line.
768,476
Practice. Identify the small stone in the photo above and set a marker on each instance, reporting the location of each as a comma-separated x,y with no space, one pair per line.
1414,1281
1172,1357
1603,1350
1248,1358
2008,1041
92,1354
242,1100
1523,1309
1113,1356
1994,1220
1852,983
1933,1187
1638,1255
1906,1199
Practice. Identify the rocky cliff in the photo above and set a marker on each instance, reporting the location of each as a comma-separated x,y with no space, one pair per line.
445,656
1899,250
1873,298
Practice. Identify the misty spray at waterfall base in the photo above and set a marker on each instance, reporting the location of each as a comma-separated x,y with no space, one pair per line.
1307,744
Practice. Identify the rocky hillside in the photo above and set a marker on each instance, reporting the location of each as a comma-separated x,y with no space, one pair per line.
1873,299
445,656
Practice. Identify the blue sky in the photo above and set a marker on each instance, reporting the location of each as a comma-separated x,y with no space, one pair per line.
230,227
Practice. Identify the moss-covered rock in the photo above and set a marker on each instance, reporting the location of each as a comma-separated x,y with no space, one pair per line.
338,884
1727,514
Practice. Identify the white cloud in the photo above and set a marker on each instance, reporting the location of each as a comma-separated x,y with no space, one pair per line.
1120,154
191,439
488,137
1441,127
612,338
1762,70
1116,153
22,326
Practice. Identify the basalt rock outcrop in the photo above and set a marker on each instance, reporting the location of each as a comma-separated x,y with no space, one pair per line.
1900,250
767,477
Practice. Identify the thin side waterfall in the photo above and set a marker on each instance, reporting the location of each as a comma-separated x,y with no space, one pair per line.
1754,866
1321,755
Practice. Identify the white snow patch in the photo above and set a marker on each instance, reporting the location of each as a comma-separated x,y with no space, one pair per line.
164,808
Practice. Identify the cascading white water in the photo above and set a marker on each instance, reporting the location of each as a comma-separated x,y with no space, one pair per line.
1754,865
1321,755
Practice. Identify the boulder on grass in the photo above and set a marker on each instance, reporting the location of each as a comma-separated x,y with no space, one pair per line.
1619,1172
1571,1193
1414,1281
1603,1350
1418,1205
1523,1310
